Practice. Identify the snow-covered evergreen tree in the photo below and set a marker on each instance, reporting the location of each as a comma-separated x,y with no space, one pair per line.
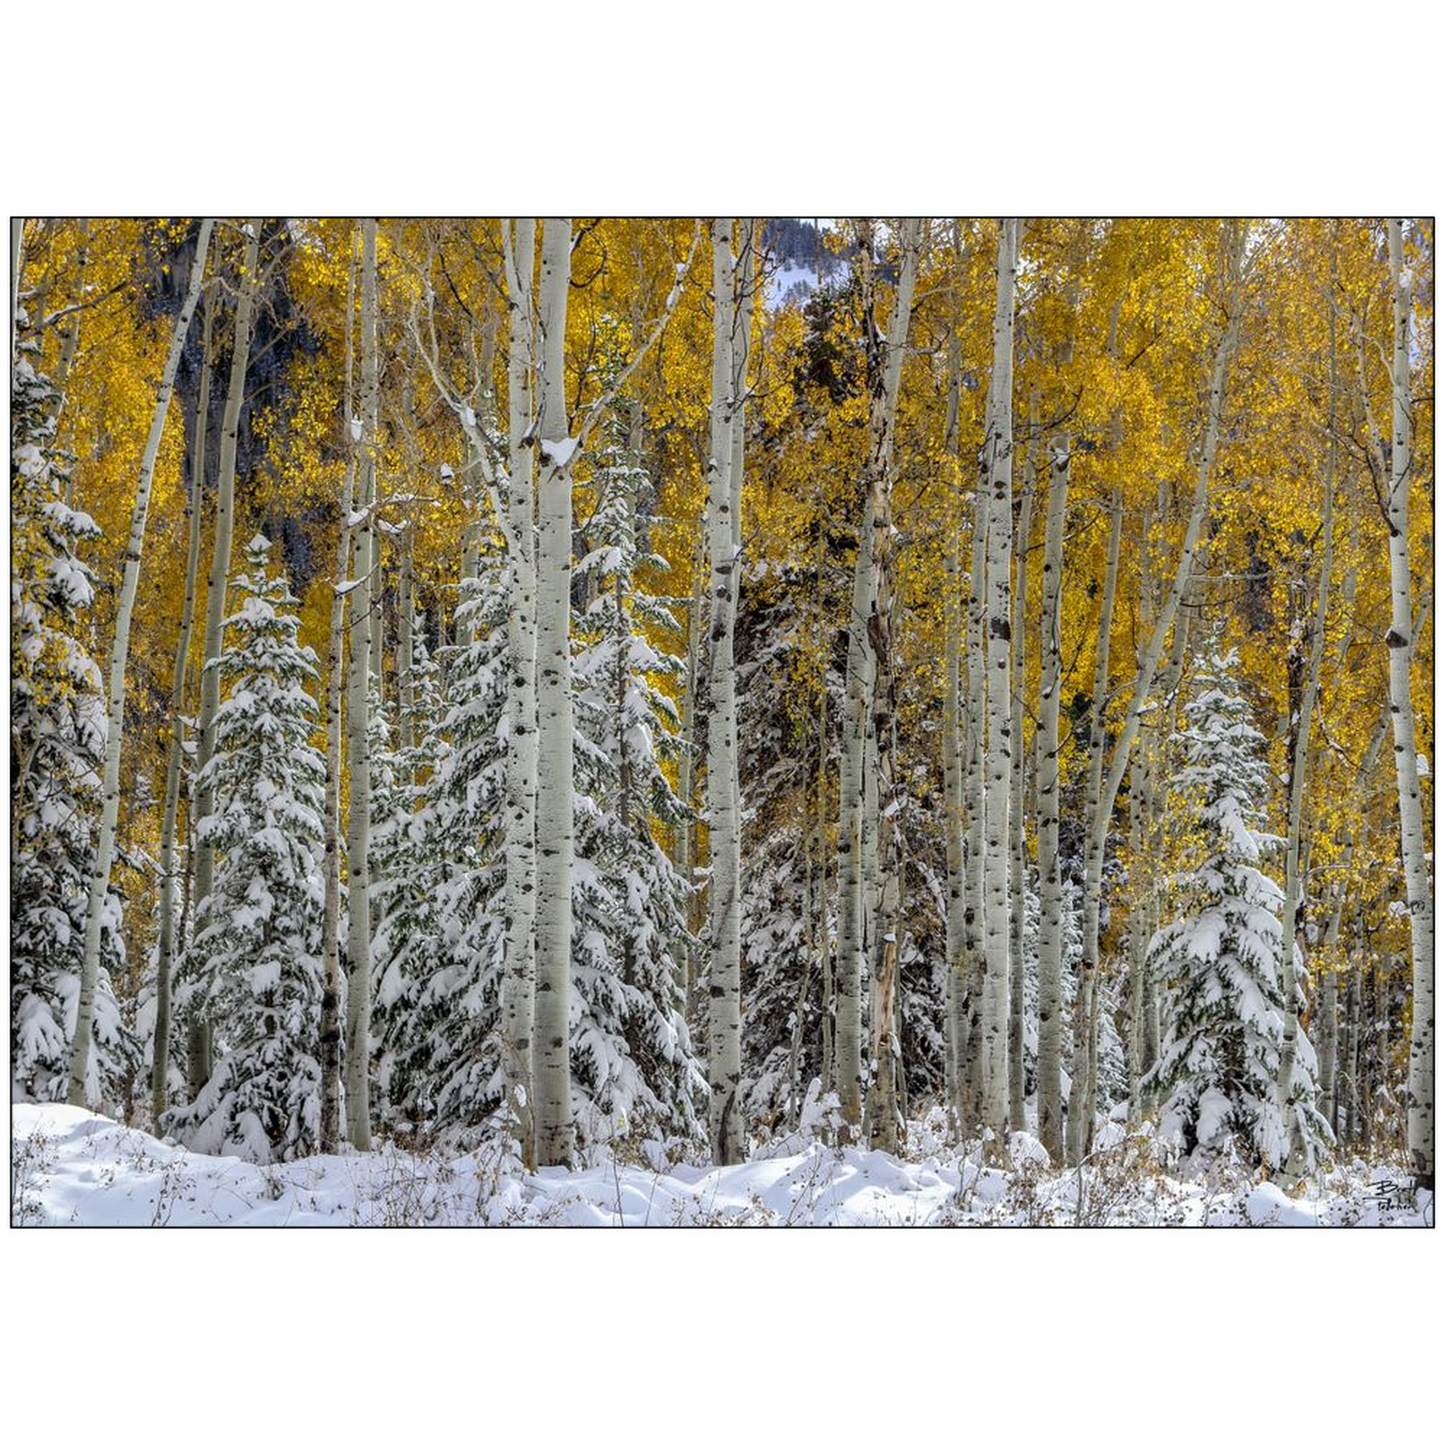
1217,962
632,1054
784,992
254,957
777,629
921,1023
785,616
439,948
390,797
441,943
408,860
400,774
57,745
1113,1067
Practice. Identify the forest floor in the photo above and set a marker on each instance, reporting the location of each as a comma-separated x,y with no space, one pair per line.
69,1166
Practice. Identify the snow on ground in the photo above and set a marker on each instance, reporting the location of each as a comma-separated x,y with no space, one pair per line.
69,1166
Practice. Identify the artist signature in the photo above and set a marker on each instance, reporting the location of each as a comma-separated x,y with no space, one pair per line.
1390,1194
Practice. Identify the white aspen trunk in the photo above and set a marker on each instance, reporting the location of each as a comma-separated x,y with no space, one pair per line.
331,981
1153,1024
1328,1013
369,499
1080,1128
726,1120
1138,952
198,1044
955,956
853,753
885,368
998,743
1080,1119
971,1061
166,944
793,1094
871,811
1420,1089
1299,777
115,711
1154,809
685,843
1017,1120
405,622
552,1074
519,981
725,1124
1329,1042
374,651
17,267
742,343
1051,889
463,632
1352,1051
819,827
1137,939
869,833
359,602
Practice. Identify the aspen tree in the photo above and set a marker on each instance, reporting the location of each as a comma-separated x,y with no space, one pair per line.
362,596
519,980
852,894
1138,956
733,309
970,1006
955,955
998,447
884,353
198,1042
820,848
331,982
17,266
166,942
553,1126
744,271
1080,1118
1016,1061
1051,888
872,811
685,842
725,1125
115,711
1420,1096
552,1072
1140,799
1049,1063
1299,769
